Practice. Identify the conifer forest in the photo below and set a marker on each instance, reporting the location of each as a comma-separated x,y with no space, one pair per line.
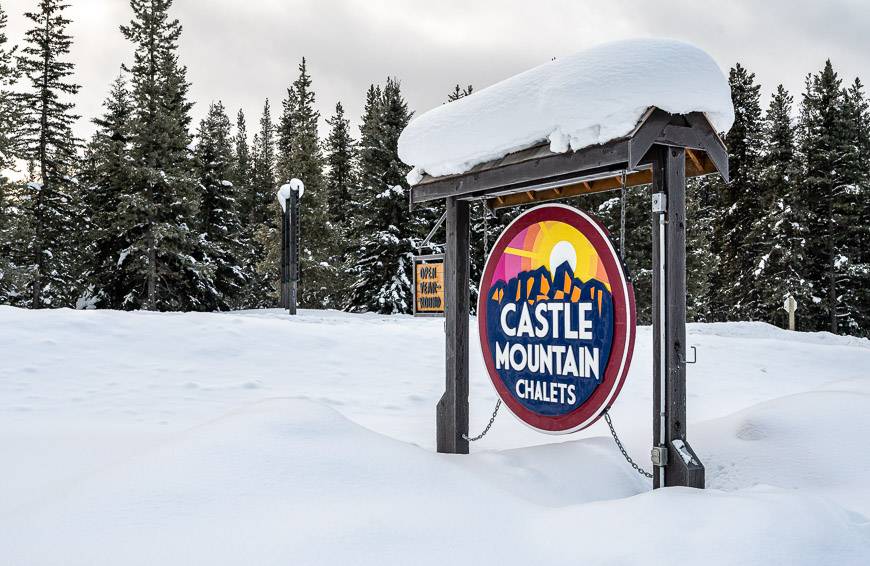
156,212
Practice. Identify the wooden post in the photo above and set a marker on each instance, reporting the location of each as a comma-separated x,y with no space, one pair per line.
681,467
452,410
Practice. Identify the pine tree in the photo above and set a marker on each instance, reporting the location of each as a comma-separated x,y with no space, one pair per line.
824,141
45,137
162,203
218,211
107,175
341,171
340,178
9,114
386,229
300,156
852,216
261,198
12,277
241,168
780,271
733,285
459,92
262,222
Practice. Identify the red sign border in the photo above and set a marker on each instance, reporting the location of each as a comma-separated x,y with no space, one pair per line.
624,318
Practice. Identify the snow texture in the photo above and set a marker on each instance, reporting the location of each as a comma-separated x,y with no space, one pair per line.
573,102
284,191
165,438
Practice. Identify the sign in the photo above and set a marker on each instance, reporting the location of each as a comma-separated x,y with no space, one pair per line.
429,285
556,319
790,305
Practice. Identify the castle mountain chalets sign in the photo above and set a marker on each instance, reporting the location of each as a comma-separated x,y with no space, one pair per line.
556,319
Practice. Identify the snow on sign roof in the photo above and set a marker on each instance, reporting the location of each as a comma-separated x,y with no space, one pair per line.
573,102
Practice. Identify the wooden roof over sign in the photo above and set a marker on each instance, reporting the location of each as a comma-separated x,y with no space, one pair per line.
537,174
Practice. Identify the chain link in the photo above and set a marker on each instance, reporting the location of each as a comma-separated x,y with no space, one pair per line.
628,459
622,198
488,426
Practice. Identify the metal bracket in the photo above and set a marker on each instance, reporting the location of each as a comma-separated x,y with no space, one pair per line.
659,456
425,243
659,203
694,359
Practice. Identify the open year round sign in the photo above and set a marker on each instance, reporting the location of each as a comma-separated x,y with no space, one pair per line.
557,319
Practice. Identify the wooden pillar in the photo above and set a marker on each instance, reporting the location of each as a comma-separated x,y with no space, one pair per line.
682,467
452,410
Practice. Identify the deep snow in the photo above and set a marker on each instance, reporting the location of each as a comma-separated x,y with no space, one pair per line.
572,102
254,438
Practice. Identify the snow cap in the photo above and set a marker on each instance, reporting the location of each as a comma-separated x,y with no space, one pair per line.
284,192
573,102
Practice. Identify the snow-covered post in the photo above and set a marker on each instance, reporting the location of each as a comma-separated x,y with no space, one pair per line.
288,196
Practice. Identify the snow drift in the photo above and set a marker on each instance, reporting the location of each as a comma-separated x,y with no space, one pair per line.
584,99
175,439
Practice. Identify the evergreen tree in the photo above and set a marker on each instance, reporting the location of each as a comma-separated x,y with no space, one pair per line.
340,178
733,286
341,172
262,223
9,114
386,229
459,92
780,271
261,198
107,175
161,207
852,217
45,138
824,145
300,156
241,169
700,261
12,277
218,212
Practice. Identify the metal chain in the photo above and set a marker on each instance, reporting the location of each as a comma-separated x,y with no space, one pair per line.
498,402
488,426
628,459
622,218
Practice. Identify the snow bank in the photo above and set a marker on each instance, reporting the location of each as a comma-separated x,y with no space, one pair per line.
584,99
284,191
172,439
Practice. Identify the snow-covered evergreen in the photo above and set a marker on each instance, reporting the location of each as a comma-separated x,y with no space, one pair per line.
219,222
50,202
107,175
300,156
387,240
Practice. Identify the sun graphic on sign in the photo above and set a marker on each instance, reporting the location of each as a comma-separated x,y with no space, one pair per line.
550,244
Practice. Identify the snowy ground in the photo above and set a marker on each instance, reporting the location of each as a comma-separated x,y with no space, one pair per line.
251,438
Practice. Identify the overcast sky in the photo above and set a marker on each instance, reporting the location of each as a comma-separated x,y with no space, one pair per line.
243,51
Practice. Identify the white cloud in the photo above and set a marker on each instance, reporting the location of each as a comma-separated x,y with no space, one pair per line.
244,51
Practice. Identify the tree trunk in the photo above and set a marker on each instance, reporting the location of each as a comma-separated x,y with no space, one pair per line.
39,243
832,266
152,274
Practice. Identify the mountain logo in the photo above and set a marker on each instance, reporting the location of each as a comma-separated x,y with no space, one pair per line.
556,319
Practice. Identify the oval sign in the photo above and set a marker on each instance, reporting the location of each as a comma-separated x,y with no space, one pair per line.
556,319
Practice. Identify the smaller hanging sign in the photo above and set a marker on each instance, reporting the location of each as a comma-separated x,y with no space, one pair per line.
429,285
